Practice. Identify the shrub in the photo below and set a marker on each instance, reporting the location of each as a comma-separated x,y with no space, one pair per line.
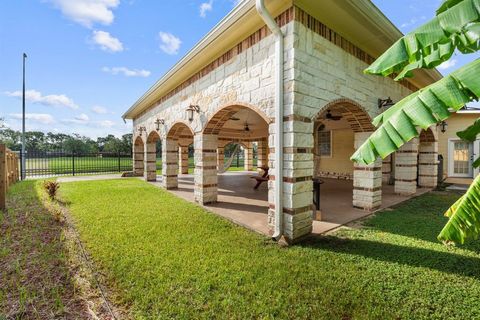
51,187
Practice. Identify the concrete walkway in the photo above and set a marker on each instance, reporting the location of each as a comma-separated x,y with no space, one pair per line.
90,178
240,203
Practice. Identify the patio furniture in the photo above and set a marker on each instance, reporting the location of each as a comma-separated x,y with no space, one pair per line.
260,179
316,192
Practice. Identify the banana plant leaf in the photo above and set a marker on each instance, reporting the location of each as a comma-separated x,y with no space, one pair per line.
424,108
464,222
457,26
470,134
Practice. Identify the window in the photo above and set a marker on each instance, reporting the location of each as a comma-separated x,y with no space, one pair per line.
324,143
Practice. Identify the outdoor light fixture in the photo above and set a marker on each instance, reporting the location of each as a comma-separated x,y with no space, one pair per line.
141,129
191,112
159,122
444,126
385,103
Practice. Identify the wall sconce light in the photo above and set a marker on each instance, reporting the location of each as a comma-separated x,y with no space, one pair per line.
141,129
159,122
385,103
444,126
191,112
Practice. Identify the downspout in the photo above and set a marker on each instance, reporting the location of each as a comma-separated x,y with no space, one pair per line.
279,47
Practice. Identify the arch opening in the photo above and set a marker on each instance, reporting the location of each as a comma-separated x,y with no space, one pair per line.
235,124
427,159
138,156
152,156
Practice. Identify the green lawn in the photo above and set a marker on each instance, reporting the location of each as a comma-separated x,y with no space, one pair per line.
167,258
65,165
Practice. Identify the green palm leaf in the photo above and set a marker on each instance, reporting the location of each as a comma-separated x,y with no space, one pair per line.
464,222
470,134
424,108
457,26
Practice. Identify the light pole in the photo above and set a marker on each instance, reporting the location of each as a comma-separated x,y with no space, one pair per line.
23,162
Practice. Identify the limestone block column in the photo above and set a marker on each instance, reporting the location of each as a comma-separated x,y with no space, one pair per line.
183,159
297,179
138,158
248,156
206,179
387,169
220,159
170,159
150,161
406,161
262,153
428,164
367,180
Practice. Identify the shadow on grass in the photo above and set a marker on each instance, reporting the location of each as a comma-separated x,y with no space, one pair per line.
410,256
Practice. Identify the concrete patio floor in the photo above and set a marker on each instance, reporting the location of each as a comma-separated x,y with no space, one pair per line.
240,203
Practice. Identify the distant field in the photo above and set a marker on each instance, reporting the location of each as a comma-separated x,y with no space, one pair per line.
86,165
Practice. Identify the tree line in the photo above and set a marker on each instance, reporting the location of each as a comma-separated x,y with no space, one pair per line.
39,141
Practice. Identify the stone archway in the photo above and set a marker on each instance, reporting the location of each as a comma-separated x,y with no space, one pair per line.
340,127
151,156
237,122
138,156
175,153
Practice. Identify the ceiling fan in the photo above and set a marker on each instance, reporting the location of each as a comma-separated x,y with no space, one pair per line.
246,128
330,116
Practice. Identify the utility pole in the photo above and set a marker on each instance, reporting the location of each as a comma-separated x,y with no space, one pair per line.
23,162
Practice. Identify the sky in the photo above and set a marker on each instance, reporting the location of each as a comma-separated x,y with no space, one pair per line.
90,60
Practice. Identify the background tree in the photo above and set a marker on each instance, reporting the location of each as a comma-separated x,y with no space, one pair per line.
456,26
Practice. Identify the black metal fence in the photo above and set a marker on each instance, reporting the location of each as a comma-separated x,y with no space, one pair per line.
56,163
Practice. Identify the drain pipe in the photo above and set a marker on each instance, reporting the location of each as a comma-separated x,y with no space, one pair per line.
279,83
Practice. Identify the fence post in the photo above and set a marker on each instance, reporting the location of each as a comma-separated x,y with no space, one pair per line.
119,161
3,176
73,162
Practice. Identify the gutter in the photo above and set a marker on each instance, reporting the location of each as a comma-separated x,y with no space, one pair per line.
278,141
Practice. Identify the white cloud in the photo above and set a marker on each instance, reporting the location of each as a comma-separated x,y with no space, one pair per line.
127,72
106,41
82,117
55,100
448,64
204,7
43,118
169,43
413,21
99,110
88,12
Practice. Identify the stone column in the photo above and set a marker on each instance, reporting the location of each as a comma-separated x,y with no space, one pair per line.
170,163
248,156
183,159
262,153
428,163
406,161
367,180
206,179
297,181
220,159
150,161
387,169
138,156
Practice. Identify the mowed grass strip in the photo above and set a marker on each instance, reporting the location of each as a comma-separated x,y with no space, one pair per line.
36,281
167,258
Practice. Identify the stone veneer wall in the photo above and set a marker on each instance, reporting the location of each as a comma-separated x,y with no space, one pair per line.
318,69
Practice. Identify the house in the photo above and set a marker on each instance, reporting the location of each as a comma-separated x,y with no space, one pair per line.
458,155
290,66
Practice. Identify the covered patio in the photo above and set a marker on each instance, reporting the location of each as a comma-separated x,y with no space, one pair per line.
240,203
